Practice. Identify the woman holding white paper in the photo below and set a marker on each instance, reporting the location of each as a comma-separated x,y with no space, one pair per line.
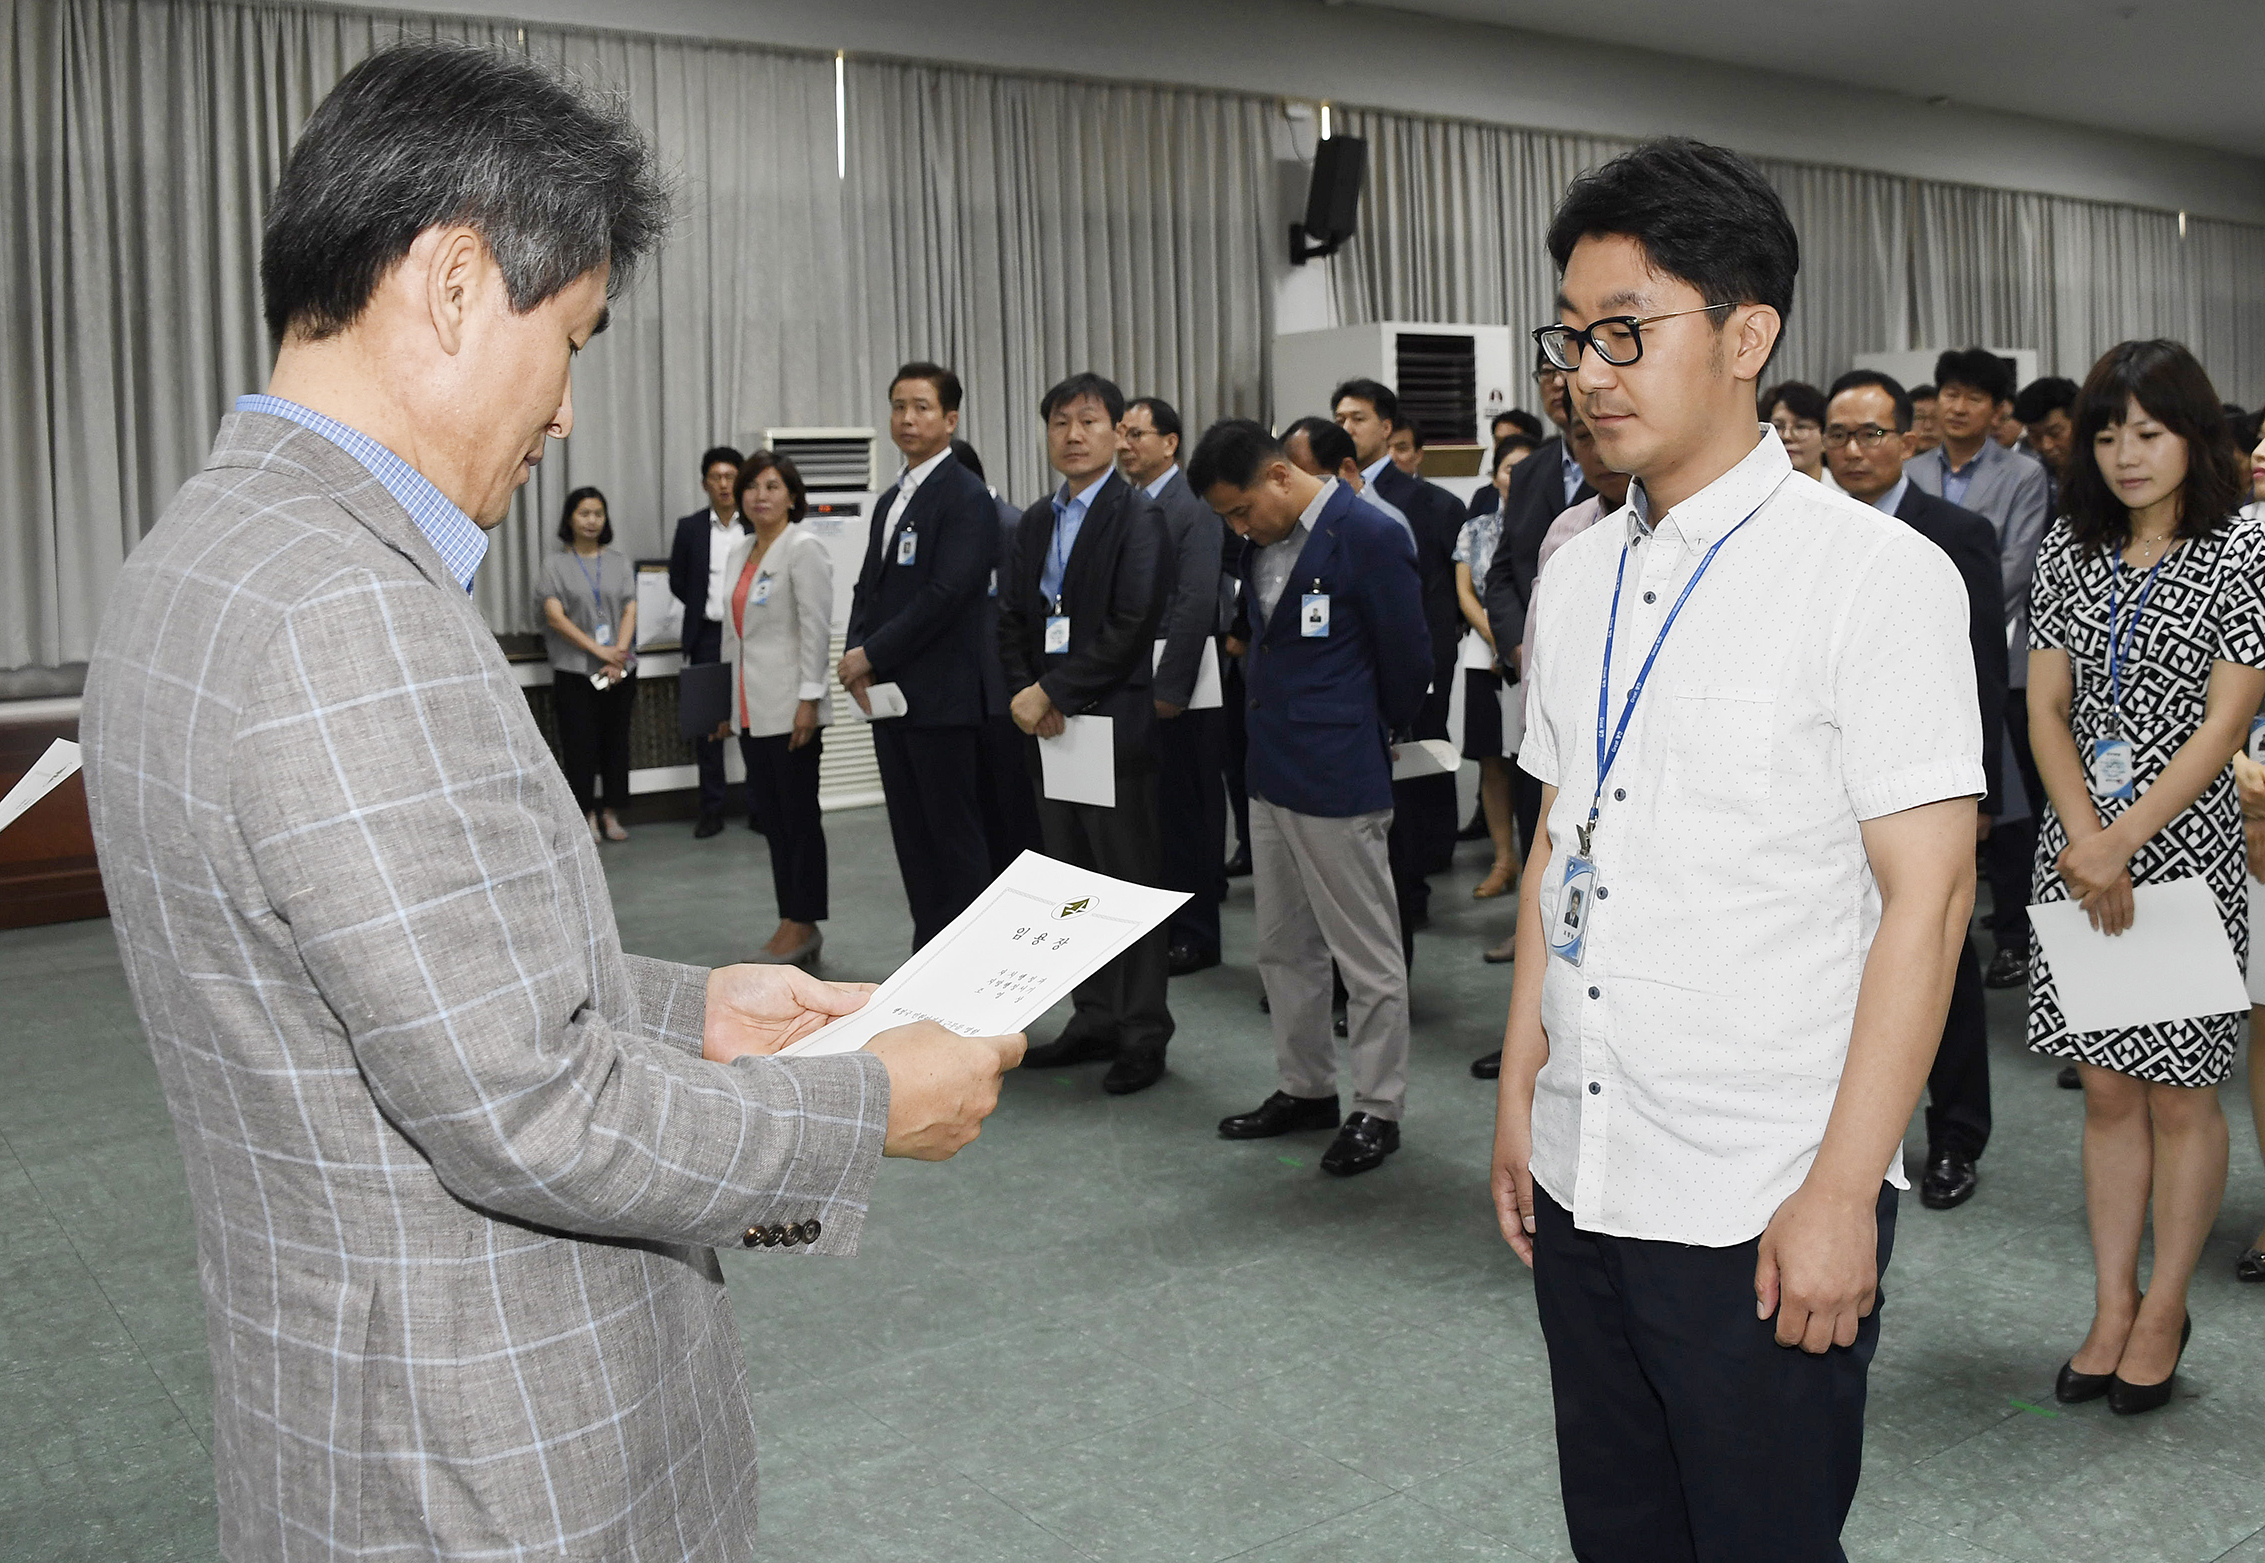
2147,661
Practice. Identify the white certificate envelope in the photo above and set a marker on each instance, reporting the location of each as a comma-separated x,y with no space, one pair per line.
47,773
887,700
1081,765
2174,962
1208,695
1425,757
1042,928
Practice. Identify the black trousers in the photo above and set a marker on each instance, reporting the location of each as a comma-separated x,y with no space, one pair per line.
932,777
593,737
704,642
1010,817
2010,854
1191,819
1958,1087
1525,808
782,800
1124,1000
1423,818
1685,1433
1235,745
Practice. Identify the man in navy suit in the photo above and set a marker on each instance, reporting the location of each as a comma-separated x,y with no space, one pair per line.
1338,661
695,568
1868,438
917,620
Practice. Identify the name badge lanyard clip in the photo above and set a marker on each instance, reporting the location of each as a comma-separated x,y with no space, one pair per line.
2111,757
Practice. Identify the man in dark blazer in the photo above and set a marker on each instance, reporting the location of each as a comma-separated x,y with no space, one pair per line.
1543,487
1867,439
1010,813
1191,793
1079,606
918,619
694,560
1337,663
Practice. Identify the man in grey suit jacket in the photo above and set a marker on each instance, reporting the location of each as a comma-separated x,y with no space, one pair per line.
458,1165
1191,786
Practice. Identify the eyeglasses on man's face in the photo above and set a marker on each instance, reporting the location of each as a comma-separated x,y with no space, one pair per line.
1867,437
1618,339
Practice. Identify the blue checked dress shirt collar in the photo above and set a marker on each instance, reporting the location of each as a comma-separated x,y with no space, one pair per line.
1069,516
454,535
1956,480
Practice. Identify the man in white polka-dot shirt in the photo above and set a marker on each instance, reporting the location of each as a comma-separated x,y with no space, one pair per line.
1736,948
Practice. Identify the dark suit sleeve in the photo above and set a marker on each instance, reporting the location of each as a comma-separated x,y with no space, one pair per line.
1510,578
1195,600
1015,600
1390,595
680,561
964,532
1128,628
1977,558
853,632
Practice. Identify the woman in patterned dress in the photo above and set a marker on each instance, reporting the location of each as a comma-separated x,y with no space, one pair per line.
2152,562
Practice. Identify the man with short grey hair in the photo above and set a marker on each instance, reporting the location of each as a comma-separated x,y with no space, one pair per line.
458,1165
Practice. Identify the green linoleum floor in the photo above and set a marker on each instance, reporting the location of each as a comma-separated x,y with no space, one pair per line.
1103,1333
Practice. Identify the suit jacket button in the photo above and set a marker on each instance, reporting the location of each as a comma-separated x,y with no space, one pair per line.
773,1236
751,1237
811,1230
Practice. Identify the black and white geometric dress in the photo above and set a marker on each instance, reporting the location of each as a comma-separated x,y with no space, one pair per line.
2208,605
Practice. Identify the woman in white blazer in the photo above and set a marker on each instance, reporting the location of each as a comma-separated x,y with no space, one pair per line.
778,617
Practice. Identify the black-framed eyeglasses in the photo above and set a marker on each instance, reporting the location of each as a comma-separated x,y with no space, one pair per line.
1868,437
1618,339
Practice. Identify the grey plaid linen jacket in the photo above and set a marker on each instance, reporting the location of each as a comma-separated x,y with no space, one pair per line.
456,1162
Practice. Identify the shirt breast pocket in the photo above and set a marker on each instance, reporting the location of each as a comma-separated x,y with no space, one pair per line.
1723,741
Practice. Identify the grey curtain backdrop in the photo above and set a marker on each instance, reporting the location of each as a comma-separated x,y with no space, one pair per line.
1016,227
1454,217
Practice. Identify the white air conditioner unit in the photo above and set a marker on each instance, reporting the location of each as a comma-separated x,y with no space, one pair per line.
829,458
1451,381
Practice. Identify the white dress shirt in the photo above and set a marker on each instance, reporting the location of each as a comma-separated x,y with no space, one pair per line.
1818,676
1271,569
908,483
722,534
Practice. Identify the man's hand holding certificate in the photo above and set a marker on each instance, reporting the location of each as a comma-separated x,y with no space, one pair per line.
1039,930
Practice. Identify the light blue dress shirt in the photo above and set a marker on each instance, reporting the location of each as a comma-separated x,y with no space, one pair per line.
1957,479
1887,502
454,535
1157,487
1069,516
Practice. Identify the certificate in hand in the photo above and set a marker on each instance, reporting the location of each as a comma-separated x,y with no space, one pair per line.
1041,928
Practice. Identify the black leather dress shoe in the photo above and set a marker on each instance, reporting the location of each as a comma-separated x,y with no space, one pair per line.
1135,1073
1181,959
1950,1180
2128,1399
1489,1067
1067,1049
1361,1145
1339,1025
2068,1079
1238,866
1476,829
2008,969
2251,1265
710,825
1281,1113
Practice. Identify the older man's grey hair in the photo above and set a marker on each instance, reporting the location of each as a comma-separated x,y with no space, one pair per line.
554,178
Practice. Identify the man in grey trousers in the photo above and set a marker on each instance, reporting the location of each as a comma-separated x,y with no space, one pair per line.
459,1166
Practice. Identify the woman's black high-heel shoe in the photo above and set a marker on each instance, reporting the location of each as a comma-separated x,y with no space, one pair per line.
2126,1399
2071,1386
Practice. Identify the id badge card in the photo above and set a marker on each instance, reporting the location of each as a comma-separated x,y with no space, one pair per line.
605,635
1569,929
2111,768
761,593
2257,737
1313,615
1057,634
908,547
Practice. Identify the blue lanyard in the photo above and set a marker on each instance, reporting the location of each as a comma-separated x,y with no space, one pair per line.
597,603
2119,639
1606,754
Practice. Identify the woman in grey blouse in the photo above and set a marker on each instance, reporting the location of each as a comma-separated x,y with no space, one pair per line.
587,594
778,618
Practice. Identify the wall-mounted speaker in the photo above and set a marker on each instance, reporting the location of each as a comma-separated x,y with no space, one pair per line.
1333,199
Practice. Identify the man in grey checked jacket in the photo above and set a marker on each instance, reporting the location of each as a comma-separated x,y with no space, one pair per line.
459,1165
